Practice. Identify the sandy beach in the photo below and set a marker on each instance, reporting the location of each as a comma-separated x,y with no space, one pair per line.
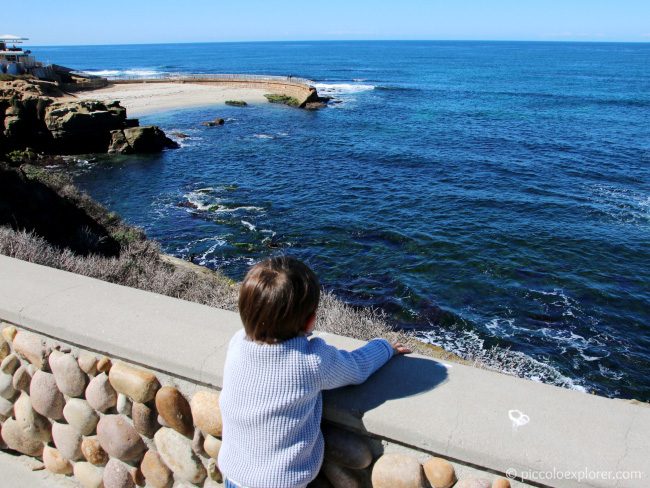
146,98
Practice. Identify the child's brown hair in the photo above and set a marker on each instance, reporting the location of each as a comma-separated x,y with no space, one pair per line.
277,298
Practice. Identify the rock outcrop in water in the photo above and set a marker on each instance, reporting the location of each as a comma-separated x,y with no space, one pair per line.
32,115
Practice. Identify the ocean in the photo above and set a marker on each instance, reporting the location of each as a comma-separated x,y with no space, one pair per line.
492,198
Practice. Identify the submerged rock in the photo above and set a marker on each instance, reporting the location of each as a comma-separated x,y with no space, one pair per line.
214,123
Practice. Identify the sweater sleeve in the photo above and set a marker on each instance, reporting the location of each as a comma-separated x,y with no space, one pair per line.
338,368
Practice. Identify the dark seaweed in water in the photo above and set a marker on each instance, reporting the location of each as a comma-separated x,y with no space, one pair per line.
500,196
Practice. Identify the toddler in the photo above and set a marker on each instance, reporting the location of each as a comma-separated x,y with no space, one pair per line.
271,403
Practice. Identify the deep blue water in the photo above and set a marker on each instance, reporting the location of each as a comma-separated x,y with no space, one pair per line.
482,193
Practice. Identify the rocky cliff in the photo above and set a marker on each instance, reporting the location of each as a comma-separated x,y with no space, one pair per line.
34,114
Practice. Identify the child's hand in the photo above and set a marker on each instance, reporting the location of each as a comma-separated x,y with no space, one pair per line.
399,348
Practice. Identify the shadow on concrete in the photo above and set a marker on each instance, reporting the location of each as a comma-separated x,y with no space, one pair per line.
401,377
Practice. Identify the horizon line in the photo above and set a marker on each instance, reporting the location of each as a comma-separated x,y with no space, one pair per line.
587,41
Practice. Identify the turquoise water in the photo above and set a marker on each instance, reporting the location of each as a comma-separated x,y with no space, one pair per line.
482,194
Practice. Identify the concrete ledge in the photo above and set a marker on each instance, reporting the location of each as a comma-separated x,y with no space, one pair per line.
551,436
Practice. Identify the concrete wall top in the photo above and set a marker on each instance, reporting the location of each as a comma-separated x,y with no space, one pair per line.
546,434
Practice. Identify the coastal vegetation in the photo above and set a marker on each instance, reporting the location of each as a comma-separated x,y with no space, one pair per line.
283,99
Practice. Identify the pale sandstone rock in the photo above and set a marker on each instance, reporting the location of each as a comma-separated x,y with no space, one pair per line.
119,439
100,394
70,380
10,364
7,390
345,448
501,483
206,412
81,416
439,472
46,397
212,445
155,471
117,475
89,476
87,362
144,419
5,408
31,347
67,440
21,379
20,440
104,365
176,452
340,476
397,471
31,421
9,332
175,410
162,422
473,483
56,463
93,452
139,385
124,405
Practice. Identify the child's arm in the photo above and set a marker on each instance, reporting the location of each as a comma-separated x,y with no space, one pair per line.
339,368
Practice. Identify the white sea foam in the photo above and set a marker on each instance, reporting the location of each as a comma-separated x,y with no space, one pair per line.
247,208
127,73
248,225
337,89
263,136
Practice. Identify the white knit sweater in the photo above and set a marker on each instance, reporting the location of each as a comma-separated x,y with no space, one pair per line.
271,405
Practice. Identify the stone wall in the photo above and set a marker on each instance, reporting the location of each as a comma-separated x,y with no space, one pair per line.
110,423
118,387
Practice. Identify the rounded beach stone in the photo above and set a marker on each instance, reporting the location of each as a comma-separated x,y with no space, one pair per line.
340,476
155,471
104,365
501,483
439,472
21,440
89,476
5,350
54,462
473,483
70,380
31,347
8,333
119,439
87,362
214,473
176,452
93,452
100,394
67,440
397,471
211,446
320,482
31,421
7,390
5,409
10,364
175,410
2,442
197,442
124,405
21,379
139,385
46,397
80,415
206,412
346,448
117,475
145,419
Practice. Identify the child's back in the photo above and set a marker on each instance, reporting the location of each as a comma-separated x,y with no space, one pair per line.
271,403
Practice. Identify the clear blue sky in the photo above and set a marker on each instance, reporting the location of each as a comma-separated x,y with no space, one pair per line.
48,22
